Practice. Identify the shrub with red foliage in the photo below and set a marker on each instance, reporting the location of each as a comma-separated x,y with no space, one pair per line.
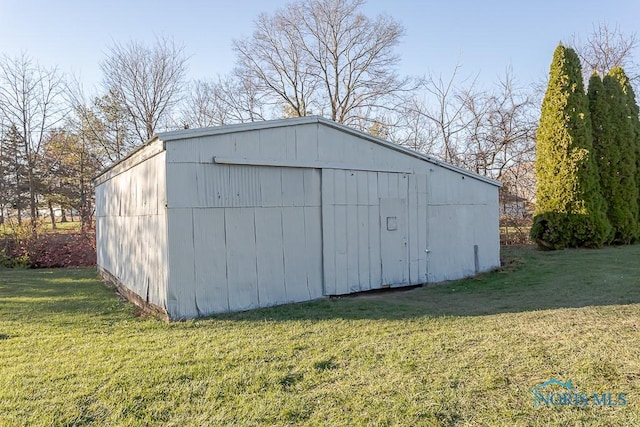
50,250
63,250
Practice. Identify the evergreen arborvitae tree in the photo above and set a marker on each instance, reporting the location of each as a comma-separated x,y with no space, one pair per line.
570,210
605,150
623,199
635,120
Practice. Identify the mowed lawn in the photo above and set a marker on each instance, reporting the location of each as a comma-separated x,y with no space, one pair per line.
464,353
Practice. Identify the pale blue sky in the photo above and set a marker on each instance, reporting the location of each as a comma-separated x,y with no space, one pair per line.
485,37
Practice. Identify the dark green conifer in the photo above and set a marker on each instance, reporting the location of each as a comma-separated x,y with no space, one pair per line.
606,153
622,196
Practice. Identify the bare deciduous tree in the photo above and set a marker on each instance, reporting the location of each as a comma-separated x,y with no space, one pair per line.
275,57
437,113
605,48
413,130
31,103
241,97
201,107
502,129
489,132
148,81
325,57
230,99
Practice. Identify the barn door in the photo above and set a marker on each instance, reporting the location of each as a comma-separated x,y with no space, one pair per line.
393,241
365,225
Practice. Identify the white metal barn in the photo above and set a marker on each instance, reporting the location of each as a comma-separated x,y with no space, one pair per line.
235,217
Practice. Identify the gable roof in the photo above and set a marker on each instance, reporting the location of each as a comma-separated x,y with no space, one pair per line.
243,127
267,124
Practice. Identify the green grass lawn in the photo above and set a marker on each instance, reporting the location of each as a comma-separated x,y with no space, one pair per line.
10,228
464,353
62,227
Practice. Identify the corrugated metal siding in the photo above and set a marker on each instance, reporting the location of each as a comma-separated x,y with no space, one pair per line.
181,289
211,186
241,258
270,263
279,140
212,292
131,235
421,216
244,186
219,186
264,252
462,213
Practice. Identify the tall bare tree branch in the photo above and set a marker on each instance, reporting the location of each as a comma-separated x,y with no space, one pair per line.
148,81
605,48
326,57
31,103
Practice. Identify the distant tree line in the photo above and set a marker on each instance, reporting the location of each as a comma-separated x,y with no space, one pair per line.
318,57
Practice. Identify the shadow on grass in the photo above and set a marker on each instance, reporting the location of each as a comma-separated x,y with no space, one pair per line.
54,295
530,280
